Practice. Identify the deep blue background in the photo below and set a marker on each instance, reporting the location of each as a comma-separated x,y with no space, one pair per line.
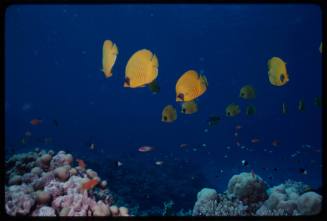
53,62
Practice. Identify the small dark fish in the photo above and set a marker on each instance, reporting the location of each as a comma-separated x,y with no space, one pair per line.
275,169
244,163
303,171
90,143
213,120
118,163
270,177
92,146
154,87
250,110
23,140
55,123
301,105
284,108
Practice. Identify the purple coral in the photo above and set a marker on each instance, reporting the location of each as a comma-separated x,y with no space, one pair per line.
61,159
79,204
44,211
19,200
55,188
40,172
73,185
43,181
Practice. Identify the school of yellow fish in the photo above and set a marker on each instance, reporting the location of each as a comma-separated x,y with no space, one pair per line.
142,70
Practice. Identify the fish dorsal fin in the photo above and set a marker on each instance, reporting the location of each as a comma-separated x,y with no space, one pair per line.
108,43
188,76
191,74
144,53
138,58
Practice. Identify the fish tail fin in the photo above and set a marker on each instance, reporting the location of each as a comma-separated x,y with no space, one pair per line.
204,80
268,63
107,74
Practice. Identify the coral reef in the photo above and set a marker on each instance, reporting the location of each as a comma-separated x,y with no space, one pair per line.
40,183
210,203
291,198
247,195
247,187
45,183
44,211
309,203
19,199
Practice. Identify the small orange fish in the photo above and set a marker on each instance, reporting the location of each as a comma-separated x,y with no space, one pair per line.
36,121
255,140
183,145
275,143
81,163
89,184
145,149
237,127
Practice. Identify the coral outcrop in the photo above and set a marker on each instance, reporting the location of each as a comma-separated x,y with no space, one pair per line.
291,198
210,203
41,183
247,195
247,187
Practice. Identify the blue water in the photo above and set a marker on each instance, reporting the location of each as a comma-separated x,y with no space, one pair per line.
53,62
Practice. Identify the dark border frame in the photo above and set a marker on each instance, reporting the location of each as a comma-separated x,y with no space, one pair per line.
323,5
